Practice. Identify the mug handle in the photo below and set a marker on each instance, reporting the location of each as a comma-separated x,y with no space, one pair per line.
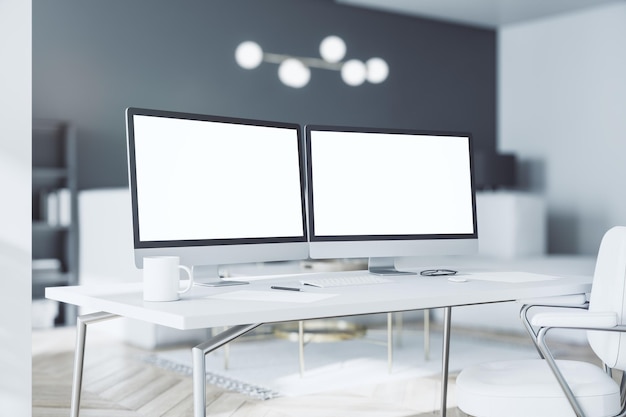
189,281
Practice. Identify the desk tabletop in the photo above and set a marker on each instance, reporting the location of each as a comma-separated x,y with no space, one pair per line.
256,302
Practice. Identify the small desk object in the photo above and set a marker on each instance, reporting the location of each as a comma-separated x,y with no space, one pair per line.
243,308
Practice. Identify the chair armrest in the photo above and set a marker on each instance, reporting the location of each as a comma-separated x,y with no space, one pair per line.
557,301
576,319
573,301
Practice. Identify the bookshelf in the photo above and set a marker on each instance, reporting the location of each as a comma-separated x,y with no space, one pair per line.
54,211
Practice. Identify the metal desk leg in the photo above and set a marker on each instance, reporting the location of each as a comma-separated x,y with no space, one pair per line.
427,334
301,346
389,342
199,363
79,354
445,359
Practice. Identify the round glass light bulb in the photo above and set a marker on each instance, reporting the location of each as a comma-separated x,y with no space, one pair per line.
293,73
377,70
249,55
332,49
353,72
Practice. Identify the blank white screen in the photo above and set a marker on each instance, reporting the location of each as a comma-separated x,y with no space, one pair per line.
390,184
211,180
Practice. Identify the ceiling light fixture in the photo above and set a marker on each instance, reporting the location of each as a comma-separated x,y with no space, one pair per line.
295,71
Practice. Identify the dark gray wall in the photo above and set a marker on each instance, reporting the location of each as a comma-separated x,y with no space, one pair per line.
92,59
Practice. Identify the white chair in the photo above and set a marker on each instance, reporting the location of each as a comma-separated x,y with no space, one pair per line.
552,388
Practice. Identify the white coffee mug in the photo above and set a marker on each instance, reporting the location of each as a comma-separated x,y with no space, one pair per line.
161,278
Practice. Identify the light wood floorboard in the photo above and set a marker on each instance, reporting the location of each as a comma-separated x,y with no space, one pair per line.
118,383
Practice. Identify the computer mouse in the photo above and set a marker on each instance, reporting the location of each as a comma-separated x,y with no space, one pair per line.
457,279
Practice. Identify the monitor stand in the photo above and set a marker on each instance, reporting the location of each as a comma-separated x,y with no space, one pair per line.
208,276
385,266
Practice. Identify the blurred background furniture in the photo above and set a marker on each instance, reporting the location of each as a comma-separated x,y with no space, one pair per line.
54,214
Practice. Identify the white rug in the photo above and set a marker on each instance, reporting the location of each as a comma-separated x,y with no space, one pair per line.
270,368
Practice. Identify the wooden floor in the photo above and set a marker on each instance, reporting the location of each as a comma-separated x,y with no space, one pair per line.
118,383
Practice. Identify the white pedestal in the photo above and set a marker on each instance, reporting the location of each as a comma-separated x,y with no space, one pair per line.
511,224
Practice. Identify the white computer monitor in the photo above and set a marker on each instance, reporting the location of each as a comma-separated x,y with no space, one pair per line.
215,190
388,193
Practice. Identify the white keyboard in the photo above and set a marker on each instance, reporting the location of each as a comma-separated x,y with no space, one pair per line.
344,280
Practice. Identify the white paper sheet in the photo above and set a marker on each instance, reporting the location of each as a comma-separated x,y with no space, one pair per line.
512,277
274,296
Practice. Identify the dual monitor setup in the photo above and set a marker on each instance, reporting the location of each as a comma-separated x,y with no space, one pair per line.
220,190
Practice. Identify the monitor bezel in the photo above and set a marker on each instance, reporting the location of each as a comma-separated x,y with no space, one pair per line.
176,245
314,238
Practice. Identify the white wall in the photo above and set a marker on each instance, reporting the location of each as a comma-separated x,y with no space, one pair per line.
562,107
15,208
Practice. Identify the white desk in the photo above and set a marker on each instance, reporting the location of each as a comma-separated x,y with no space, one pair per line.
244,308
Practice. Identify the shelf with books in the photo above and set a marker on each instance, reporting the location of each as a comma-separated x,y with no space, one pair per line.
54,215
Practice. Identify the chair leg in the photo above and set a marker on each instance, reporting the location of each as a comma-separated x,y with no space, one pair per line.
541,343
529,328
